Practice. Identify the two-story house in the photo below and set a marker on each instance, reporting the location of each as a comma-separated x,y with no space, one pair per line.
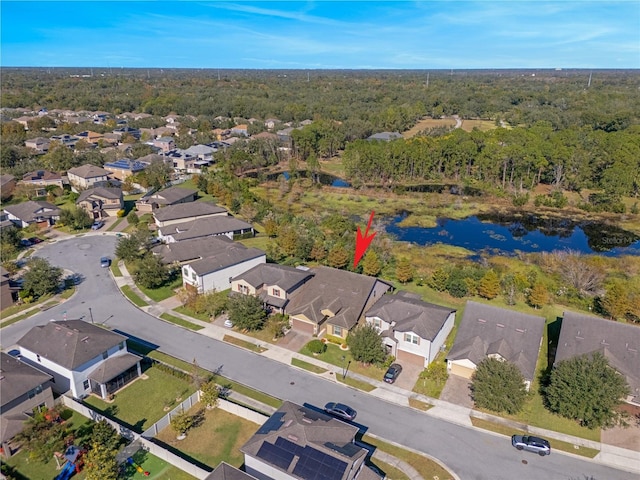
81,357
42,214
101,202
273,283
413,331
87,176
23,389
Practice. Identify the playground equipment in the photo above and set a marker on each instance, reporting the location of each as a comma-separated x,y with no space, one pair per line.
138,468
73,457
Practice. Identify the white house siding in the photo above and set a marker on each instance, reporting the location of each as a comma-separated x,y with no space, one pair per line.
423,349
441,337
67,379
221,279
262,471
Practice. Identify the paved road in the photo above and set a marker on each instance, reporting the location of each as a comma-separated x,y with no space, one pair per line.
472,454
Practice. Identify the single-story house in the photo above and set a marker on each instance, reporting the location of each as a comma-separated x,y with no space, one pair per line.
101,202
487,331
242,130
23,390
205,227
186,212
43,214
582,334
87,176
81,357
168,196
298,443
412,330
385,136
124,168
333,300
273,283
215,272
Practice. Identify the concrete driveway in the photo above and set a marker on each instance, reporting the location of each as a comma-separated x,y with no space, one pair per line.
457,390
409,376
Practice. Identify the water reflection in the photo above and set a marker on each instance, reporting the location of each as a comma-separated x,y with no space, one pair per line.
530,233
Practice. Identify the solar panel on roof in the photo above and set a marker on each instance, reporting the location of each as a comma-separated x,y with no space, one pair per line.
275,455
316,465
289,446
348,449
273,424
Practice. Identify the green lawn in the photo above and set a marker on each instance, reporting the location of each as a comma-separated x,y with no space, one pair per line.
13,309
259,241
218,438
134,297
307,366
164,292
179,321
158,469
142,403
244,344
334,355
187,311
115,269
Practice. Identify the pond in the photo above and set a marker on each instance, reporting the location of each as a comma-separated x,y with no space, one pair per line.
322,178
501,234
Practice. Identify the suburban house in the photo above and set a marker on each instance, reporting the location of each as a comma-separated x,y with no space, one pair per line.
333,301
298,443
224,471
271,123
242,130
124,131
82,358
87,176
28,213
413,331
42,178
165,144
39,144
186,212
8,290
385,136
206,227
91,137
215,271
190,250
168,196
273,283
181,160
101,202
7,186
124,168
582,334
23,389
507,335
67,140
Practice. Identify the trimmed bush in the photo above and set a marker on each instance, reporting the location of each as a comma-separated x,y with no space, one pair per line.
316,346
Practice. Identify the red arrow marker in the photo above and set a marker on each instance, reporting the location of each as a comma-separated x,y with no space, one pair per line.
363,242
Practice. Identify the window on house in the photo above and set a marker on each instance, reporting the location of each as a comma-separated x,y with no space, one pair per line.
105,355
411,338
276,292
31,394
121,346
337,331
37,357
377,323
85,384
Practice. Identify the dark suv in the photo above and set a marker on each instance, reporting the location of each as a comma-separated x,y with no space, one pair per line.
531,444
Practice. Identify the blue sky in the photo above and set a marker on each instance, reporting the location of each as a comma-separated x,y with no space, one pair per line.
322,34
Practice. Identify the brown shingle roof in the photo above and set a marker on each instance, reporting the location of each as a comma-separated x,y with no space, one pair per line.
88,171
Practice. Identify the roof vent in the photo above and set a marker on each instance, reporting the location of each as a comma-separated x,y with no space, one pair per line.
521,330
69,334
481,320
57,327
84,339
499,325
288,422
306,420
293,437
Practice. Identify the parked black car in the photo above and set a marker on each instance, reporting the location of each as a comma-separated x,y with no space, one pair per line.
392,373
340,410
531,444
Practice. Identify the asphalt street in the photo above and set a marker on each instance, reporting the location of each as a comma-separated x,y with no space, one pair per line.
472,454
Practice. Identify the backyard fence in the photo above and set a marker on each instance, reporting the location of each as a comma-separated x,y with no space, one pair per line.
82,409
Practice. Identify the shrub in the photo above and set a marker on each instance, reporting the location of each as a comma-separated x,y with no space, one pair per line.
120,213
316,346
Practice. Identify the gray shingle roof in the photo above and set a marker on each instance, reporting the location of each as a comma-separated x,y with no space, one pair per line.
26,211
17,378
100,193
411,314
307,428
170,195
234,254
343,293
203,227
196,248
88,171
582,334
224,471
69,343
114,366
187,210
485,329
274,274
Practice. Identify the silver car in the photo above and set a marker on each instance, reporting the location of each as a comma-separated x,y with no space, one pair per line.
531,444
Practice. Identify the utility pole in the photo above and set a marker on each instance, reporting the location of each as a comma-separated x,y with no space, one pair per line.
91,314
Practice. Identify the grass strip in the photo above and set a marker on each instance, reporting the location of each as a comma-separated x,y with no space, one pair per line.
555,444
18,318
115,269
307,366
244,344
190,313
134,297
115,224
68,292
426,467
179,321
359,384
419,404
49,305
188,367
